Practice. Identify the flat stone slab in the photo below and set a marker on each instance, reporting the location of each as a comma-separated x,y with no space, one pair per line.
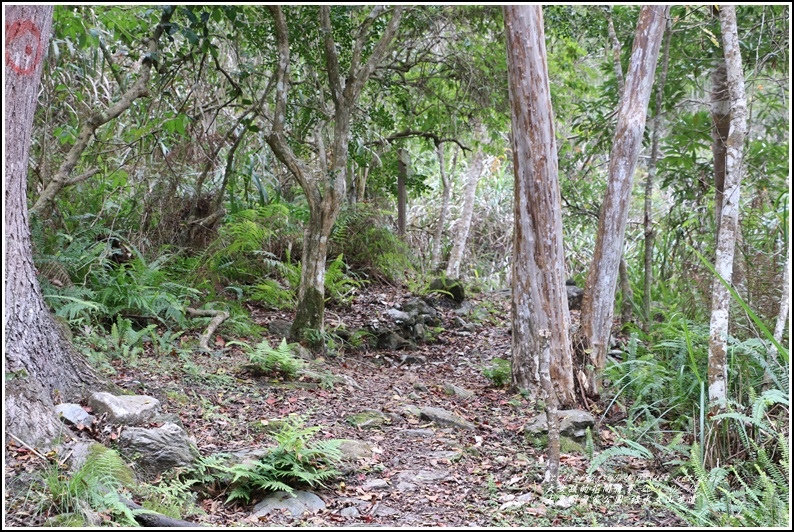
444,418
131,410
297,504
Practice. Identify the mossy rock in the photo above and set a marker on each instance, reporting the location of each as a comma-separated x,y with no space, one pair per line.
368,419
567,445
452,288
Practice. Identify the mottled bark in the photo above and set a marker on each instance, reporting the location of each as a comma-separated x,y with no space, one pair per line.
140,88
720,104
540,305
649,233
466,213
599,298
729,216
40,364
435,255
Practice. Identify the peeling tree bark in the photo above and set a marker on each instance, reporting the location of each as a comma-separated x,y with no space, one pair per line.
541,321
40,364
467,211
729,216
599,297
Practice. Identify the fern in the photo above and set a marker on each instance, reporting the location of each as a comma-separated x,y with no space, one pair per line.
632,449
296,460
279,360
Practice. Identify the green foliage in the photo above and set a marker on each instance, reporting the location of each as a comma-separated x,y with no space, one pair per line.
726,498
94,487
171,496
295,460
279,360
499,372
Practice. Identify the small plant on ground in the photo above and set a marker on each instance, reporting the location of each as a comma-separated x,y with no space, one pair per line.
294,461
498,372
279,360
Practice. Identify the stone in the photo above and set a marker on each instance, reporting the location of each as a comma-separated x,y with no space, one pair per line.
416,433
74,414
279,327
400,317
350,511
393,341
457,391
376,484
451,288
159,449
444,418
131,410
573,424
369,419
355,449
296,504
575,296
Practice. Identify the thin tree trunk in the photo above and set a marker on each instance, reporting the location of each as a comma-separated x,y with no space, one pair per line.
541,321
140,88
782,315
721,119
41,366
599,297
729,217
467,211
648,206
403,164
435,256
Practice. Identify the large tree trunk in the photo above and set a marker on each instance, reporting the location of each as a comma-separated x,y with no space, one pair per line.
467,211
729,217
541,320
40,364
599,297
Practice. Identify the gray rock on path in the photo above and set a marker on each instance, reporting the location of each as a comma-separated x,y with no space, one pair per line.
158,449
444,418
74,414
125,409
573,424
297,504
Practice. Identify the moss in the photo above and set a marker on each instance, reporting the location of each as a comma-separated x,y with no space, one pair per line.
309,318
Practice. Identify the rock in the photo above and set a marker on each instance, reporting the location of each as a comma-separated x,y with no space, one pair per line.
369,419
350,511
279,327
575,295
74,414
416,433
573,424
444,418
413,359
297,504
398,316
457,391
355,449
376,484
393,341
158,449
421,312
132,410
451,288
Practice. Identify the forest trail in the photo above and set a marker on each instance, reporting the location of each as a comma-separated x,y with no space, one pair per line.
415,473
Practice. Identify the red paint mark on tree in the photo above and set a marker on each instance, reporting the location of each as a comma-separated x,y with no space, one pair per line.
24,47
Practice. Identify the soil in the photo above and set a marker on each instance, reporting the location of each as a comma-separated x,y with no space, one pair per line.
420,474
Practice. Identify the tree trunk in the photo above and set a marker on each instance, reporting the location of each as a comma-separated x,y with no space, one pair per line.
540,306
721,118
599,296
403,164
325,189
649,233
729,216
435,256
40,364
466,213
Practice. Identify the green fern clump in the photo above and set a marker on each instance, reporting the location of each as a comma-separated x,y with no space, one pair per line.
499,373
279,360
93,488
295,461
